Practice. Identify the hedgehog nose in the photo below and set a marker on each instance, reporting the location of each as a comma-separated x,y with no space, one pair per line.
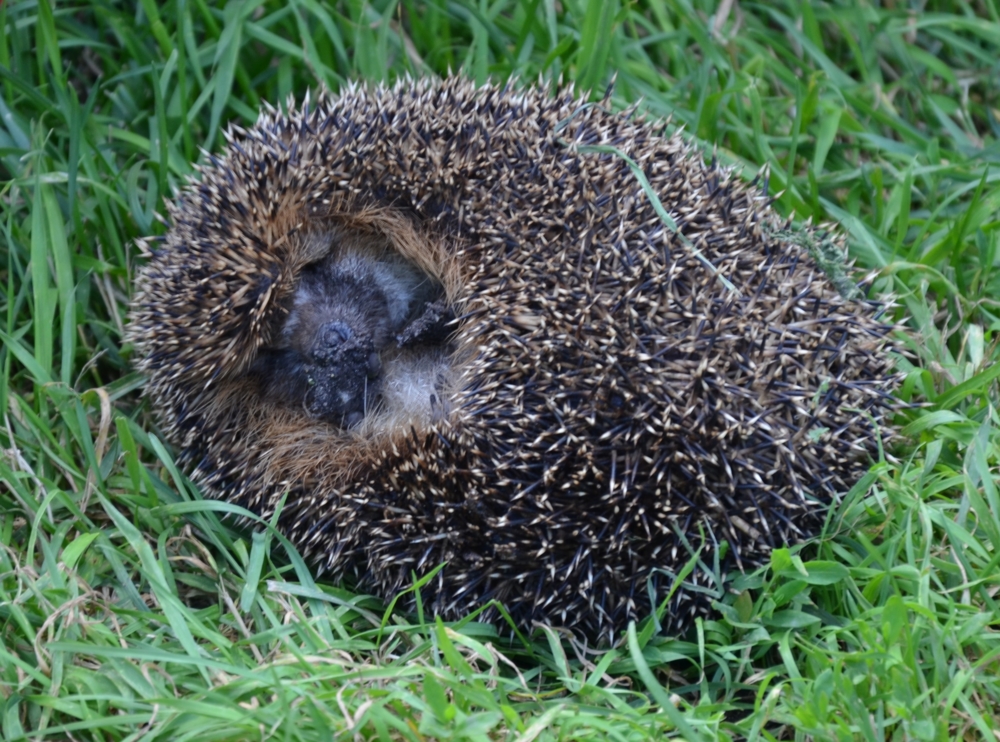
335,333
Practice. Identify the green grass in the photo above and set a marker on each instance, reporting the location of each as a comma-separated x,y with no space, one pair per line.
130,608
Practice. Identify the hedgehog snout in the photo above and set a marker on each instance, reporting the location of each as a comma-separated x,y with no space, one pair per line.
335,333
335,341
343,374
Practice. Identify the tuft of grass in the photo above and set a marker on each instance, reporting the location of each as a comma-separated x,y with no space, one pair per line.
130,607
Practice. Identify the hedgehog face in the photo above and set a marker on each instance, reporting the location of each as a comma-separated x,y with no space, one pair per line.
352,311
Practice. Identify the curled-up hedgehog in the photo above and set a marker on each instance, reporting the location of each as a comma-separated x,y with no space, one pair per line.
453,332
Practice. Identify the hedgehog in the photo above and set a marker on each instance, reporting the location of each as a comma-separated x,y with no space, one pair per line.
446,329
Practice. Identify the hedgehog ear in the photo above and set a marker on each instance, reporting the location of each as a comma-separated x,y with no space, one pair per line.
314,247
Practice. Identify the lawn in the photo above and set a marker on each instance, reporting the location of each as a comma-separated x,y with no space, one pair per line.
130,608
